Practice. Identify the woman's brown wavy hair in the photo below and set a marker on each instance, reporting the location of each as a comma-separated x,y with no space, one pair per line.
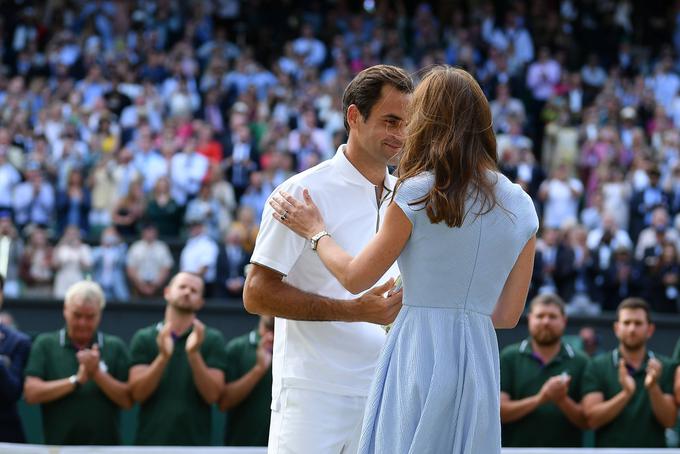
450,134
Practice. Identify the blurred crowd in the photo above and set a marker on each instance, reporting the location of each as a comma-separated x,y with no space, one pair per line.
140,138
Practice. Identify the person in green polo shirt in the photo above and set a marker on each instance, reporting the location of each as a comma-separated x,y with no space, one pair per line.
541,382
247,394
79,375
628,398
177,370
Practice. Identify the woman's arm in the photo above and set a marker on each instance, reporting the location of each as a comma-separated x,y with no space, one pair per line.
358,273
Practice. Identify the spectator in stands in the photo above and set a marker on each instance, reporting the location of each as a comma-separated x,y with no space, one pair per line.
129,210
72,258
187,171
14,349
590,340
541,382
36,269
78,374
9,178
149,262
177,370
108,265
163,211
231,262
247,392
658,231
199,255
560,194
643,205
628,398
33,199
205,206
11,250
73,204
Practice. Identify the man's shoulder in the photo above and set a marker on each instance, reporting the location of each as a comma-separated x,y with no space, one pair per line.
48,338
512,350
148,332
213,334
316,175
17,336
238,343
111,340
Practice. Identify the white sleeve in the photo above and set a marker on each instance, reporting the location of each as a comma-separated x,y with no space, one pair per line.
277,247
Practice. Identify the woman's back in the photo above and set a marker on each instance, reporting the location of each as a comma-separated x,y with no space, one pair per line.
463,267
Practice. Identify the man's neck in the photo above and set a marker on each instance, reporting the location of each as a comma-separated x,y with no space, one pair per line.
373,171
179,322
546,352
633,358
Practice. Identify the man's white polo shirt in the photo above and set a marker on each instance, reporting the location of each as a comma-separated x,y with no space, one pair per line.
335,357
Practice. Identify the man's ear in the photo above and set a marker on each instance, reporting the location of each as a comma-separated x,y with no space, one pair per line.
353,116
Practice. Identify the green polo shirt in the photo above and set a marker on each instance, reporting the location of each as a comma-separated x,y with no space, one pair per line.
248,423
676,352
636,426
85,416
175,414
522,375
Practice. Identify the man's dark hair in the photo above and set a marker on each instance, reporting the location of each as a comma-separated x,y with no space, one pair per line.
634,303
365,89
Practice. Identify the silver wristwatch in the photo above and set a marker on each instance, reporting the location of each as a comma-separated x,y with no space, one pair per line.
315,239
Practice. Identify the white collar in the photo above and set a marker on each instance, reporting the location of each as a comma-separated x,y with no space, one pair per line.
350,173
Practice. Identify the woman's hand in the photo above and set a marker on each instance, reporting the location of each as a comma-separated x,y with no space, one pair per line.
302,217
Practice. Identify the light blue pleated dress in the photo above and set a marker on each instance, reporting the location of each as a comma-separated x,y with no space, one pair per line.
437,384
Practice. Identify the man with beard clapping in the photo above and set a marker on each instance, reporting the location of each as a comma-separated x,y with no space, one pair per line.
541,382
628,392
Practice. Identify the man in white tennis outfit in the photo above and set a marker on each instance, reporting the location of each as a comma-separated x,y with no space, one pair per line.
323,365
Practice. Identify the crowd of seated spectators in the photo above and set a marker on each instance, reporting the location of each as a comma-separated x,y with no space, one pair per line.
141,138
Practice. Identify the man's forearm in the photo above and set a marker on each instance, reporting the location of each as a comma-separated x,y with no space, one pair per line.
145,382
513,410
117,391
265,296
663,406
603,413
208,385
38,391
573,411
235,392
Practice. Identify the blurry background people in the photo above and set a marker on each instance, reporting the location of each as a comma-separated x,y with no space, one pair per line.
148,263
178,369
78,374
628,392
247,392
541,382
108,265
14,350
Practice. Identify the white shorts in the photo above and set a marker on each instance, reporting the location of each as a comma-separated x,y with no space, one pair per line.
315,422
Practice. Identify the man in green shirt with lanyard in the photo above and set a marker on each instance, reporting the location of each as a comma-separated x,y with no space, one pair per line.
79,374
541,382
247,394
628,398
177,370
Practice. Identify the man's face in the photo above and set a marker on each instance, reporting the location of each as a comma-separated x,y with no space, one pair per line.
185,293
82,319
546,324
633,329
382,134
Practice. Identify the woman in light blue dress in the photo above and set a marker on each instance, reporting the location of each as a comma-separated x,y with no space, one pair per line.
464,237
